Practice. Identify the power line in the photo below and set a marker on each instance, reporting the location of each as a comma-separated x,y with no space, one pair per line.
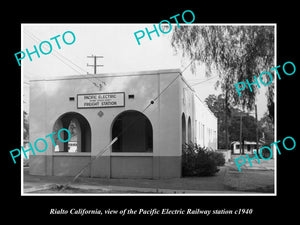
127,127
167,86
122,132
58,54
188,65
36,39
151,103
204,81
196,79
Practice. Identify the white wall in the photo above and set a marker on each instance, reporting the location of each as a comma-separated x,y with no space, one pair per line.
204,123
49,99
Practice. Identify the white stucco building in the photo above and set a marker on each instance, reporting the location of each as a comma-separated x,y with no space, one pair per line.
150,137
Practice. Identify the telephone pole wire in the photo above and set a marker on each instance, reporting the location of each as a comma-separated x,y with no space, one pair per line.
95,62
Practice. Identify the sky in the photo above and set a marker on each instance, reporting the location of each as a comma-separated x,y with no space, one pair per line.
121,52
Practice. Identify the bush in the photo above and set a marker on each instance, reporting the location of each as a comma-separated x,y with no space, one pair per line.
198,161
218,157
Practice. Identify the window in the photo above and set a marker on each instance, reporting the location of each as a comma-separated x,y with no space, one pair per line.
80,133
189,130
134,132
74,129
131,96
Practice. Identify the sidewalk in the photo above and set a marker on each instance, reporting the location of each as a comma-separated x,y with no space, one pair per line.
51,184
84,185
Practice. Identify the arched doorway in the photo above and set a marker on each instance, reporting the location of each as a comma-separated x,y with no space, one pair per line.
80,133
134,131
189,131
183,129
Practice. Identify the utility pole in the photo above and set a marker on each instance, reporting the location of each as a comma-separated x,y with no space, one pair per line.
95,62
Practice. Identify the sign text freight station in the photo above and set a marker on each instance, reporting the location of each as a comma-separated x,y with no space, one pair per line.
101,100
98,103
105,97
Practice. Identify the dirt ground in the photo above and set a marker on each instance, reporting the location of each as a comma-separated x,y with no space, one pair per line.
259,179
250,180
256,178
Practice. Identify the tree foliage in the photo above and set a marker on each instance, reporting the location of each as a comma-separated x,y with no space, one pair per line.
198,161
267,127
236,53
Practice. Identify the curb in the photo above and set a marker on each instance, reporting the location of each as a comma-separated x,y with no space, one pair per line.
135,189
38,188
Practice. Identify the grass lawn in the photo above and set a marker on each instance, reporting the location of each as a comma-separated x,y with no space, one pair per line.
250,180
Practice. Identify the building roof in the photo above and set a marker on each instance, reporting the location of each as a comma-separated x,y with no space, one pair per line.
131,73
246,142
103,75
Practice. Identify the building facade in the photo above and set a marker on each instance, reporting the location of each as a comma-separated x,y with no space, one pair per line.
99,108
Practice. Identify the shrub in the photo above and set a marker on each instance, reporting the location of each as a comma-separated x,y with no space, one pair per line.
198,161
218,157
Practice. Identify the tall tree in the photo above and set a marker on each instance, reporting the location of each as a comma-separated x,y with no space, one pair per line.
267,127
217,106
235,53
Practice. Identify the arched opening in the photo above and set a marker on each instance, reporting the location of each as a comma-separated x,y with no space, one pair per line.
134,131
189,131
183,129
80,131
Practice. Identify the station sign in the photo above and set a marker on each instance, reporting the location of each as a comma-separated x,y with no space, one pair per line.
101,100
